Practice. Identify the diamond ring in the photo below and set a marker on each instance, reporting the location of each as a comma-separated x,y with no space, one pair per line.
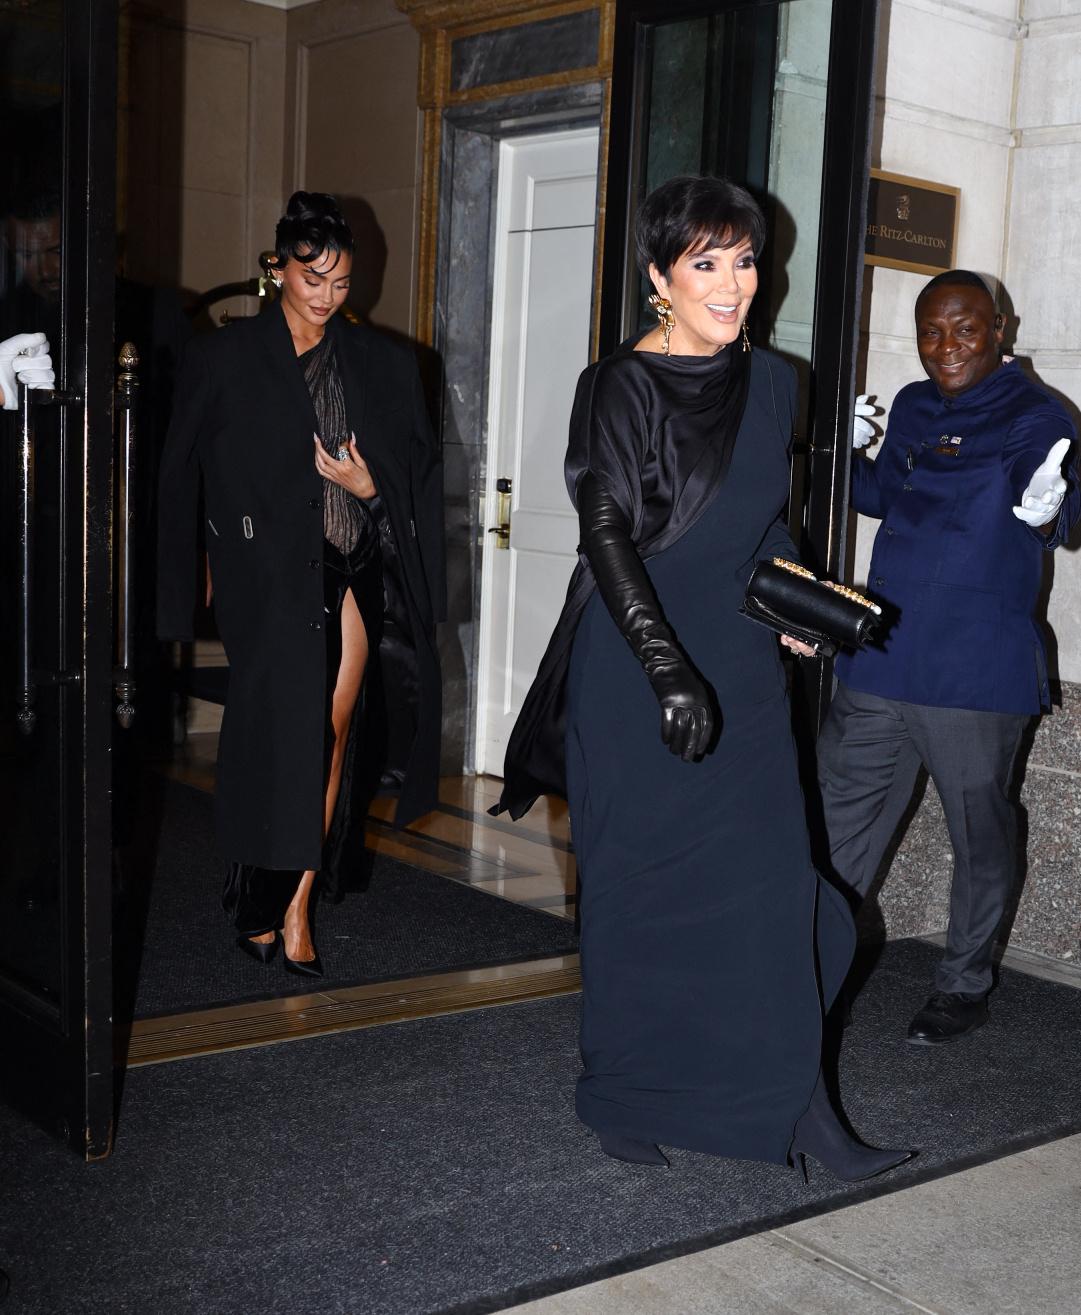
342,454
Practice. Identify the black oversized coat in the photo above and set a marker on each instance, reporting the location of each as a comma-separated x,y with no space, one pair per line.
242,429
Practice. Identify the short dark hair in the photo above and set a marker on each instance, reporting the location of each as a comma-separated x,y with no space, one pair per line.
312,225
954,278
695,213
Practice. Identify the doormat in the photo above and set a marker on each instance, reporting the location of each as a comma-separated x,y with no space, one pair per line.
436,1167
175,948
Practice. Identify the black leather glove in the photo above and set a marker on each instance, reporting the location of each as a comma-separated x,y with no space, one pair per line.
687,717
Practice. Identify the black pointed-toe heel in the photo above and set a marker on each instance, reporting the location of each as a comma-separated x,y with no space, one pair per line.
821,1135
631,1151
260,951
854,1163
303,967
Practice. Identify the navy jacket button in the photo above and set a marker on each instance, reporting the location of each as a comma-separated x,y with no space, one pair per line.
890,530
317,625
315,503
908,488
879,580
315,563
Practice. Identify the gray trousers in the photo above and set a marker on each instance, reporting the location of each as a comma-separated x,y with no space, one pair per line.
869,754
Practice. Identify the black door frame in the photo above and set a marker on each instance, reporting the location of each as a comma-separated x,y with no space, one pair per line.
846,161
59,1057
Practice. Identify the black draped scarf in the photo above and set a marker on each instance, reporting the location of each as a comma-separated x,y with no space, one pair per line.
658,432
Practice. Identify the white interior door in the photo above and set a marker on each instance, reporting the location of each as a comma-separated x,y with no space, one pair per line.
542,294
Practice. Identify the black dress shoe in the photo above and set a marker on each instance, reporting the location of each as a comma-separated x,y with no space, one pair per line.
947,1016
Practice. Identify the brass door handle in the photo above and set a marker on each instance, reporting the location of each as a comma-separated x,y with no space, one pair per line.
29,679
503,488
26,716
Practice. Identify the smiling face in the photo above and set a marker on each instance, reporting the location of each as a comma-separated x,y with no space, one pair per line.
312,293
711,292
958,336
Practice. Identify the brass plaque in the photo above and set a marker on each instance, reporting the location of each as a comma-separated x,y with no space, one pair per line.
911,223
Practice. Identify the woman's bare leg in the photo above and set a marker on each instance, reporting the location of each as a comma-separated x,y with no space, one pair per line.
298,941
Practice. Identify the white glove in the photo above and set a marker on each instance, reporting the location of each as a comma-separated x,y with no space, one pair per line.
863,432
1046,489
24,359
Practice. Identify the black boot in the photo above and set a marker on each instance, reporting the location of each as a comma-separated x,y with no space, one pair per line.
821,1134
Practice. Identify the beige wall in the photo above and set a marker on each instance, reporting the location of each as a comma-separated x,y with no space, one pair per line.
353,130
227,106
201,120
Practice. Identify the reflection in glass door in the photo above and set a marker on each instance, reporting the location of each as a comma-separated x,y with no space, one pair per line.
35,523
57,105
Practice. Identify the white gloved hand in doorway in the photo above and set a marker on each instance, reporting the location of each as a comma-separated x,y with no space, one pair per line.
863,432
24,359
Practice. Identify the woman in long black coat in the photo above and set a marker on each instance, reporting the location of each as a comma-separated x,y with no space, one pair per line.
322,493
710,947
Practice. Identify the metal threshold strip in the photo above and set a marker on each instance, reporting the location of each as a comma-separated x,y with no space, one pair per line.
291,1018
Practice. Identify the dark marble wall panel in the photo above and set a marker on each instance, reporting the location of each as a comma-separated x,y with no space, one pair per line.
469,166
529,50
463,311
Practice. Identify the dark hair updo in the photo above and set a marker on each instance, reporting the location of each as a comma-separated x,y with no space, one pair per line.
311,226
694,214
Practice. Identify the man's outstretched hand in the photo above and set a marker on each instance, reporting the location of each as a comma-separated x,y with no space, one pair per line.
1041,501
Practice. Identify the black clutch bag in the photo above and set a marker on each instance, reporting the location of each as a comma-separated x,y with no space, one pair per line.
790,600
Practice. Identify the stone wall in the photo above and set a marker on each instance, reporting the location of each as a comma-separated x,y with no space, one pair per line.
913,897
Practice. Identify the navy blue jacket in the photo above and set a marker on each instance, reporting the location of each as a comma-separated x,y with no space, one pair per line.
961,570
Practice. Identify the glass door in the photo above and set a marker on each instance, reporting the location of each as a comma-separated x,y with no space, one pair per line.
776,95
57,245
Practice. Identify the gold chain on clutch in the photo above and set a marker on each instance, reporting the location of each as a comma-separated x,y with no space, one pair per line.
794,567
841,589
851,594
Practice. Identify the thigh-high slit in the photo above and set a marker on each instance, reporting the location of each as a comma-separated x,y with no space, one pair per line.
257,898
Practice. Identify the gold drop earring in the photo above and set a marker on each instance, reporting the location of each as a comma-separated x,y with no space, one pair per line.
746,340
663,307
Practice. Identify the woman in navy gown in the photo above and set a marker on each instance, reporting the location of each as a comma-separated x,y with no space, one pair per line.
710,947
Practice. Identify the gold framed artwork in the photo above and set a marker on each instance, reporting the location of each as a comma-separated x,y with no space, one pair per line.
911,223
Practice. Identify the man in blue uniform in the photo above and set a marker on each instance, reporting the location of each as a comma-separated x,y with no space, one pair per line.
971,492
